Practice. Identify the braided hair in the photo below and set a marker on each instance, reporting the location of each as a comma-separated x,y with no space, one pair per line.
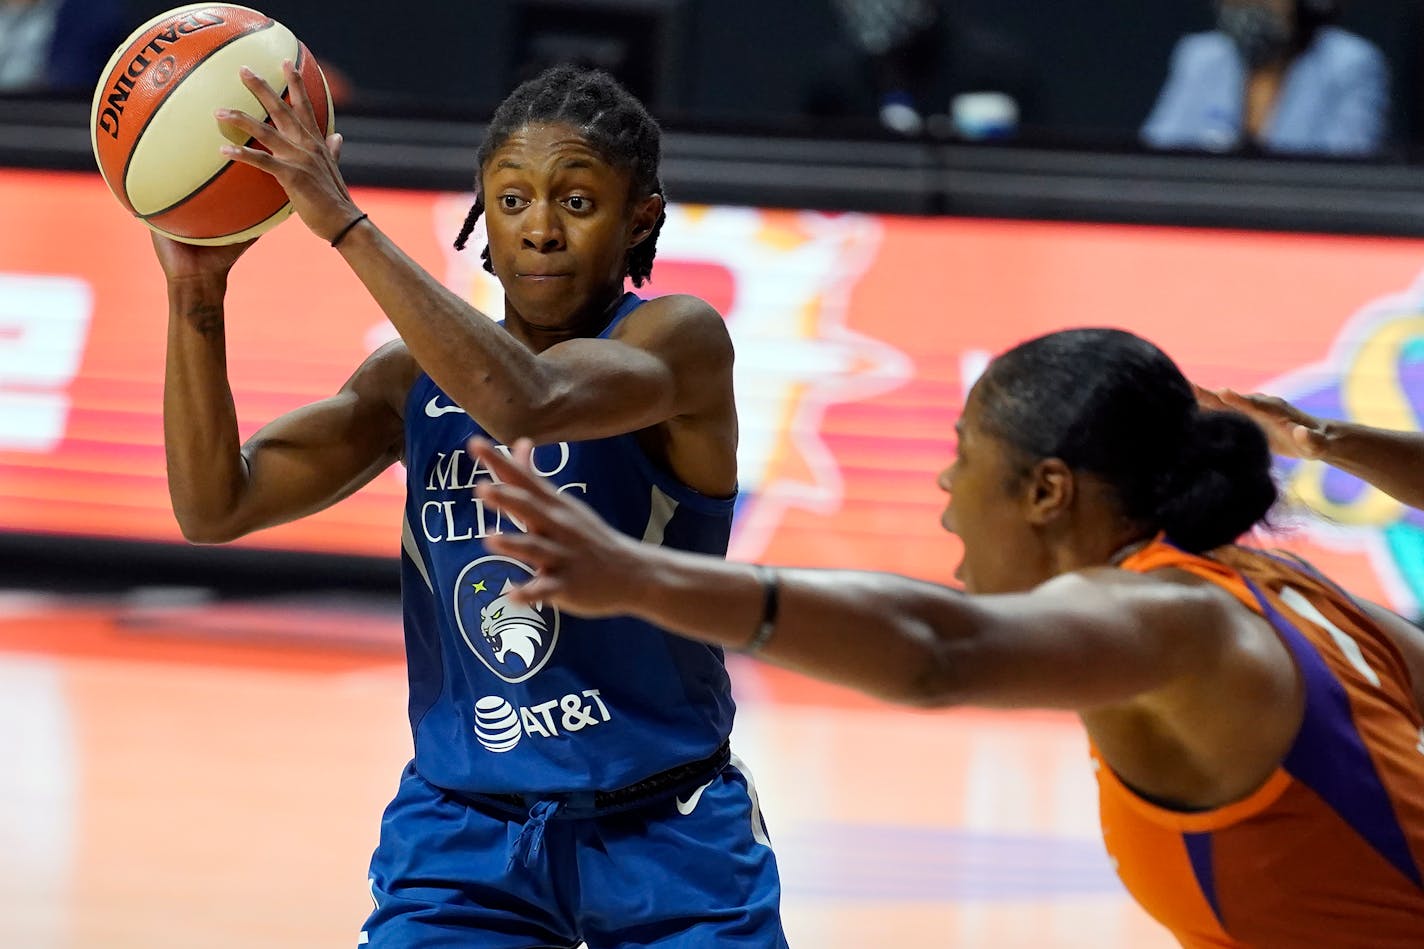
610,119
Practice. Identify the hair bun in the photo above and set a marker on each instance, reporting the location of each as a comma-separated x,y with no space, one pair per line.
1221,484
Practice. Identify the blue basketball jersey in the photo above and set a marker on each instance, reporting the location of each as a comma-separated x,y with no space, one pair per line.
512,698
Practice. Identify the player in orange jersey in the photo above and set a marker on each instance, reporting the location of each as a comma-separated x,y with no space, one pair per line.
1256,730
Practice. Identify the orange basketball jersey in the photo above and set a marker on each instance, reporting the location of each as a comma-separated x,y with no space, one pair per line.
1329,852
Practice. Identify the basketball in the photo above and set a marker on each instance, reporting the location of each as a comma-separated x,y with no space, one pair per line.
154,134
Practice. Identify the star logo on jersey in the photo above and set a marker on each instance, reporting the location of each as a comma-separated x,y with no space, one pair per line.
514,640
1374,374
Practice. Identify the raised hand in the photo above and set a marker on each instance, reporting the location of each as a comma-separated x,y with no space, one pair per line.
302,161
182,261
580,563
1290,431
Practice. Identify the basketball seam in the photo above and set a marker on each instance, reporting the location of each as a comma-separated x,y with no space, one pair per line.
158,106
219,237
226,166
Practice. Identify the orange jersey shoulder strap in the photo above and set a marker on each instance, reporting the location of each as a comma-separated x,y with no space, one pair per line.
1359,744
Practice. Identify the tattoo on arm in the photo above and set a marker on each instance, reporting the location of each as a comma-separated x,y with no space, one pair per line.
207,318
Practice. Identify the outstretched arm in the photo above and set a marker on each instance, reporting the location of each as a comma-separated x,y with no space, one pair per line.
1077,642
1392,461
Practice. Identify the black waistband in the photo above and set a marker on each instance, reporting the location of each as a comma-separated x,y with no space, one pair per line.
663,783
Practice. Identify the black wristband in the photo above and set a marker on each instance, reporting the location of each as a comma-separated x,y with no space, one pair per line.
770,605
341,234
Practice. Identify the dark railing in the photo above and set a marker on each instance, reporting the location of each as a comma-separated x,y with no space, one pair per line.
982,180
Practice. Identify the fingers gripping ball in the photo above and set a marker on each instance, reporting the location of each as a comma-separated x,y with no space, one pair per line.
153,131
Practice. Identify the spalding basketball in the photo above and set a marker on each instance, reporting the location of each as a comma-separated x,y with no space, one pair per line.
155,138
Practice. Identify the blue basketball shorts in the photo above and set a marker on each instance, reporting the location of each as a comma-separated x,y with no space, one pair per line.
693,870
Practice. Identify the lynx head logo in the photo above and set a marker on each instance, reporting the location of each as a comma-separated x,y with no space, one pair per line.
513,640
510,627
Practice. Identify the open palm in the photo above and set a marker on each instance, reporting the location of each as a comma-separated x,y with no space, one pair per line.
1289,431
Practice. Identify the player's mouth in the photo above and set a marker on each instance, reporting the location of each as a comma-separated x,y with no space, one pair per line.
539,277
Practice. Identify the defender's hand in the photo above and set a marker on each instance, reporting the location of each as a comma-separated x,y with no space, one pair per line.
1290,431
580,563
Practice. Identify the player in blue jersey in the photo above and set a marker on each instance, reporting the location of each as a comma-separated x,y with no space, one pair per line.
572,779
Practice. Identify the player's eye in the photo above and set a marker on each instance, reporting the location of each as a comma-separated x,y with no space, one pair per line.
578,202
510,202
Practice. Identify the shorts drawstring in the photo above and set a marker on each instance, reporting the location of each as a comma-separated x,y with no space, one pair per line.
530,841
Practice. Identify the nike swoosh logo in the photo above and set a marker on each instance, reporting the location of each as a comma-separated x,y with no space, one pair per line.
434,409
688,806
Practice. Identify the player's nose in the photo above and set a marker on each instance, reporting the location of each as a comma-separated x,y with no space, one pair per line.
542,230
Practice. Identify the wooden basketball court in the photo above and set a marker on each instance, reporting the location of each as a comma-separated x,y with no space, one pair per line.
181,771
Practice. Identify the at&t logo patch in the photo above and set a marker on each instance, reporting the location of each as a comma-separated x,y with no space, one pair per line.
496,723
499,725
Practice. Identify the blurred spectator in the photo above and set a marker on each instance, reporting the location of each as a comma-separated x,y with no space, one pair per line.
900,37
58,45
923,62
1275,75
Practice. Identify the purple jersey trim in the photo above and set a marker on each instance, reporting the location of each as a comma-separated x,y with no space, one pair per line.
1329,755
